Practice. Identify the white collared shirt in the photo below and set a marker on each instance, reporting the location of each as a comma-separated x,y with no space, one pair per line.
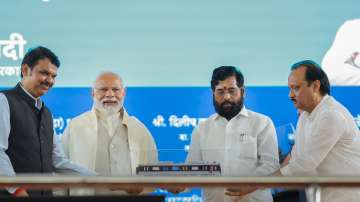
327,142
244,146
38,101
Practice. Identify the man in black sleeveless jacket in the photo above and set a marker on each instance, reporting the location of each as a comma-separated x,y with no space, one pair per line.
27,141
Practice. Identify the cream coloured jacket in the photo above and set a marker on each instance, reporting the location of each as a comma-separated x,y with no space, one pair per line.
80,142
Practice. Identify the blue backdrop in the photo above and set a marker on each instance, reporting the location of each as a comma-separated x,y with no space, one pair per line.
171,113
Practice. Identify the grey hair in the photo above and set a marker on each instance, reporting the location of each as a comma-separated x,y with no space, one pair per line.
108,73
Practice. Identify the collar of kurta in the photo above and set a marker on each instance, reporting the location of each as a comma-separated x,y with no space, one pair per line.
37,101
84,152
123,113
318,107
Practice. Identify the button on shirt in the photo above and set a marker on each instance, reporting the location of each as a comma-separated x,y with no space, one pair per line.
244,146
327,142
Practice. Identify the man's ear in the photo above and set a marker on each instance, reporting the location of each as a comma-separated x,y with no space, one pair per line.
243,91
316,85
25,70
124,92
93,92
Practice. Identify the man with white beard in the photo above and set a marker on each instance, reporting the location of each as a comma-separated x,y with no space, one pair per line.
106,139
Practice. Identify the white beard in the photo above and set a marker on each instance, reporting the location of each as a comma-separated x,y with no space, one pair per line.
108,110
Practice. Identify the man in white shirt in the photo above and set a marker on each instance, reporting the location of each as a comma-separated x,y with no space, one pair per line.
242,141
106,139
342,61
327,140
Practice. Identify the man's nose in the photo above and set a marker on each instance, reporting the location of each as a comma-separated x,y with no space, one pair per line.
291,94
50,80
227,96
109,93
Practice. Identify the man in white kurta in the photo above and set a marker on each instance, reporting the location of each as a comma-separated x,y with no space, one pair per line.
107,139
242,141
327,140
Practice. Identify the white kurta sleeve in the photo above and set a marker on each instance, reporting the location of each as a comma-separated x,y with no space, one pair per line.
63,164
267,148
151,145
65,140
325,134
194,154
5,164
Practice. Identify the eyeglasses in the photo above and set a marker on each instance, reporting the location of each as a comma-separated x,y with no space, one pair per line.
233,92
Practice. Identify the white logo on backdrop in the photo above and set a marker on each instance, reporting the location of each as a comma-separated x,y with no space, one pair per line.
193,198
173,121
60,124
176,122
9,71
13,49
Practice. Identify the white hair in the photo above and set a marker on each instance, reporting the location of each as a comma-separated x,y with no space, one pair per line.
108,73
